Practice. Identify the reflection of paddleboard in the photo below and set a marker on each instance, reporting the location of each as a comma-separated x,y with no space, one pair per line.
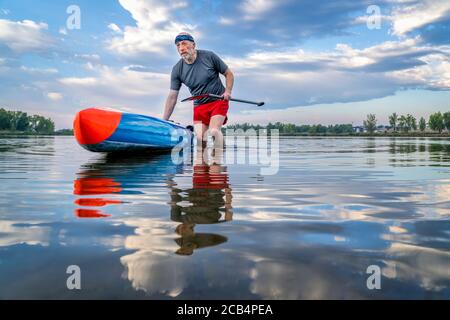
108,130
87,213
114,174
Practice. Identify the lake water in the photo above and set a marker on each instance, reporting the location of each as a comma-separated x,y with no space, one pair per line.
145,228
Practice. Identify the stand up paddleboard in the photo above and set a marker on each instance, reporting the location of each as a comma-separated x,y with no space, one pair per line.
109,130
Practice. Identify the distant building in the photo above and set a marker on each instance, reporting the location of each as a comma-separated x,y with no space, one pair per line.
383,129
379,129
359,129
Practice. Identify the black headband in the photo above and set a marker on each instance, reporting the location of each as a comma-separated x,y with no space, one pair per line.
182,37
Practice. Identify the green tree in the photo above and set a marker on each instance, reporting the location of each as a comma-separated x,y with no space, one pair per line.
321,129
411,121
5,119
19,121
303,129
436,122
447,120
393,118
422,124
403,123
290,128
347,128
371,123
48,126
39,124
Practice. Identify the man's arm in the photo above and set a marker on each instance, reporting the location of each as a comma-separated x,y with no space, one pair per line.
170,104
229,77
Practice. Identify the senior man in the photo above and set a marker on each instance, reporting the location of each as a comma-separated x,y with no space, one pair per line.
199,70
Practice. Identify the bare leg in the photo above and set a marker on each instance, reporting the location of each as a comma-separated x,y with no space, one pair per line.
215,127
200,130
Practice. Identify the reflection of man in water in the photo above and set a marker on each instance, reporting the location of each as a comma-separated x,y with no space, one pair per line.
207,202
190,240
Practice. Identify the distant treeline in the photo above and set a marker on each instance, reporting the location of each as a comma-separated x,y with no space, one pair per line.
22,122
289,128
437,122
405,123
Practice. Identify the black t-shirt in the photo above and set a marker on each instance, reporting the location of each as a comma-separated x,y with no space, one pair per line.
200,77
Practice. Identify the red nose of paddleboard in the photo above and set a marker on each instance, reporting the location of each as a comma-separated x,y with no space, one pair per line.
92,126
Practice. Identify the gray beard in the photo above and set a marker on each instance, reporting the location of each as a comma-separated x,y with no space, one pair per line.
189,58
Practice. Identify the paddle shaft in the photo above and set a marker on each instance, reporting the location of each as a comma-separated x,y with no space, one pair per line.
215,96
237,100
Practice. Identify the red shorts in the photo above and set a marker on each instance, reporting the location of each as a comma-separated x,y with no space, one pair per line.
203,178
205,112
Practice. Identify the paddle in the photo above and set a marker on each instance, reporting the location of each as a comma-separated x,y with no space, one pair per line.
215,96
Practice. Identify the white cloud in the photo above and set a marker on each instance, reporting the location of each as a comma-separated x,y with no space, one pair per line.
418,102
435,74
87,81
132,88
412,15
427,266
114,27
39,71
295,77
13,234
153,267
155,27
125,87
55,96
5,11
63,31
153,272
254,9
366,18
343,55
274,280
132,83
283,78
26,35
88,57
226,21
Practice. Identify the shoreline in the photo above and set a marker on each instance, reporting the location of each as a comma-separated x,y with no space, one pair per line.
356,135
28,134
400,135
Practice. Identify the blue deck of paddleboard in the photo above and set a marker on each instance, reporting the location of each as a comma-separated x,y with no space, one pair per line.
137,132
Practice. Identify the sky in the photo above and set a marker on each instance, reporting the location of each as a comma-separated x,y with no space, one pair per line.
311,61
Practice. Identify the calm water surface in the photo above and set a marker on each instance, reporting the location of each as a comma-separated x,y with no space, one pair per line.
145,228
